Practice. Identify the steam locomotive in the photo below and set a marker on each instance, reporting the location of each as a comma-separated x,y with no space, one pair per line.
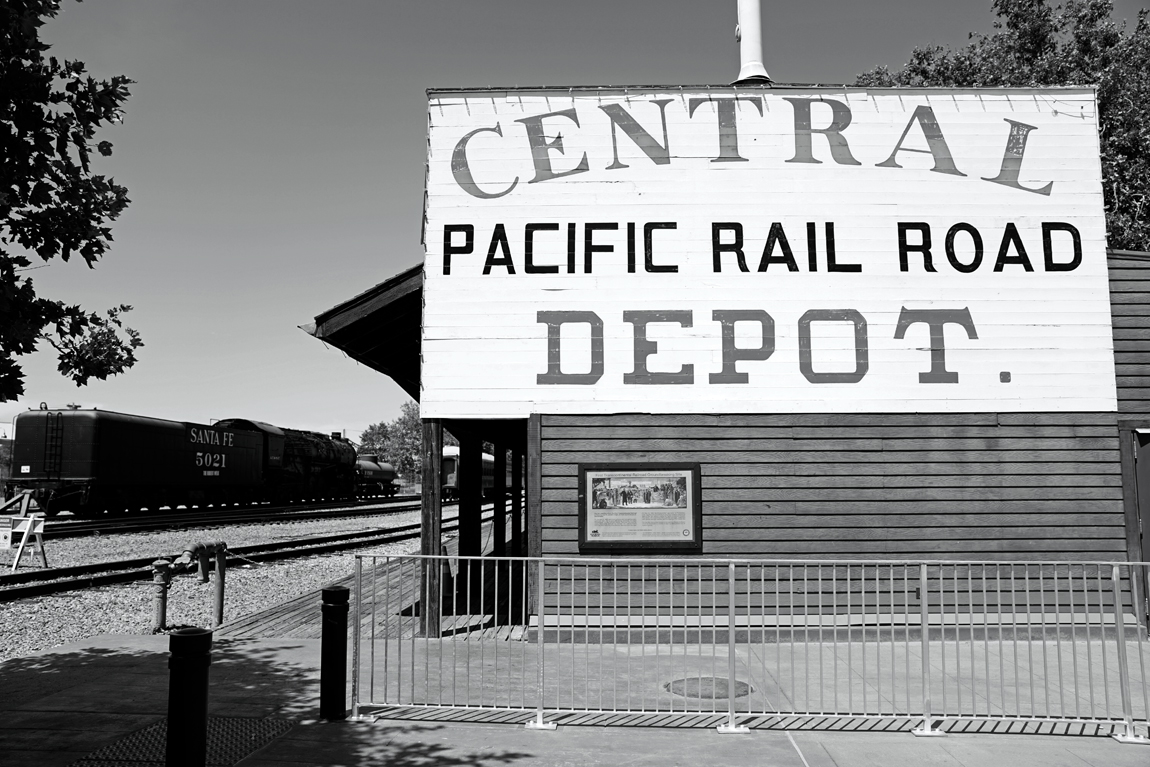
93,461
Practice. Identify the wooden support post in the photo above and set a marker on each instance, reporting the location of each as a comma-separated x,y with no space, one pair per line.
517,549
470,474
430,538
534,487
534,506
499,501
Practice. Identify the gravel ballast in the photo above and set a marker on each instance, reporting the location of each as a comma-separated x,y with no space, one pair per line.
30,625
66,552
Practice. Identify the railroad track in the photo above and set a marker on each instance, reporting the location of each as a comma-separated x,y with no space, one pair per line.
58,528
36,583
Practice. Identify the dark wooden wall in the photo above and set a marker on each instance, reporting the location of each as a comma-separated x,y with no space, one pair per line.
1130,313
965,486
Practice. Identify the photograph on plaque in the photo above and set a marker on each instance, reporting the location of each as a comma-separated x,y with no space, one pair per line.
641,506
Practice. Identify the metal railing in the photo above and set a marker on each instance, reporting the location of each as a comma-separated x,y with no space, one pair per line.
740,639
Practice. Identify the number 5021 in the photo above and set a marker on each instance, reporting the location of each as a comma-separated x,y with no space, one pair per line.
212,460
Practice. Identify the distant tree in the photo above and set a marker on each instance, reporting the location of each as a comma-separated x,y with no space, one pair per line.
51,203
1072,44
5,460
373,439
400,442
405,442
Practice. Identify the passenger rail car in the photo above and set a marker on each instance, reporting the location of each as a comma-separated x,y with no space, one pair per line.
450,473
90,461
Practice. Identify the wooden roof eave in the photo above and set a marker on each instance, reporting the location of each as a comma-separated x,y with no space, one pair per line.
380,328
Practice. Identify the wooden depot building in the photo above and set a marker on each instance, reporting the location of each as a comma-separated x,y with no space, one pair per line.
793,322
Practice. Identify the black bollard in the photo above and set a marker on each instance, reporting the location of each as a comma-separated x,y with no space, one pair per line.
191,654
333,653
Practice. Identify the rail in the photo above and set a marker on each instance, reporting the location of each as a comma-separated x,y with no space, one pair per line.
68,527
743,641
42,582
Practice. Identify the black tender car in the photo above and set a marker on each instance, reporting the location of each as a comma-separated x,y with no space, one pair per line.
88,461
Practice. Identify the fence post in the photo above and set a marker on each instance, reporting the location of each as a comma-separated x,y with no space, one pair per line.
333,653
730,727
537,723
431,536
187,740
1129,734
926,729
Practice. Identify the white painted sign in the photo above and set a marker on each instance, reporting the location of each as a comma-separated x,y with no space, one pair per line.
764,251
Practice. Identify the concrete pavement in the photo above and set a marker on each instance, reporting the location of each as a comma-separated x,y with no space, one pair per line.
101,701
410,743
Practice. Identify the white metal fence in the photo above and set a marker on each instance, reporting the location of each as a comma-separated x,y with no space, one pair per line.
738,639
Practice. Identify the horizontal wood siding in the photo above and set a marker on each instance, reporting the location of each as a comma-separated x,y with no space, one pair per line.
1130,313
1025,486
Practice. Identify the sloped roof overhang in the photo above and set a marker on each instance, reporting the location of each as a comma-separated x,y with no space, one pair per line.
380,328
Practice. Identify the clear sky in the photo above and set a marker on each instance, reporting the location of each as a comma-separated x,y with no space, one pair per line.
274,154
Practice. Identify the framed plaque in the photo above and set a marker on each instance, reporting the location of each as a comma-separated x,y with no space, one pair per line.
640,507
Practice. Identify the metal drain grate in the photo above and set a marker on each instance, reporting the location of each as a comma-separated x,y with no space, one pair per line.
230,739
707,688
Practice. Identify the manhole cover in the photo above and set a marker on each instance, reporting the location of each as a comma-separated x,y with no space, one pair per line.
707,687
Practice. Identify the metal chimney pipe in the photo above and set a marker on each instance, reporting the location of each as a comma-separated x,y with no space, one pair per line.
749,34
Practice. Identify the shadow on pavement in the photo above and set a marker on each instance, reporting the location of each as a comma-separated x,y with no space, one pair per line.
396,745
59,707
